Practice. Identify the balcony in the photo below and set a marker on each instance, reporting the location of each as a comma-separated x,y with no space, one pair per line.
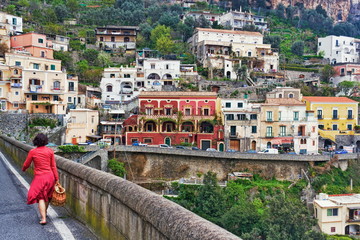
57,89
269,135
16,85
233,135
350,117
269,120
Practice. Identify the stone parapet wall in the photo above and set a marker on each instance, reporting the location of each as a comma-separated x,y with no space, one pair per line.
118,209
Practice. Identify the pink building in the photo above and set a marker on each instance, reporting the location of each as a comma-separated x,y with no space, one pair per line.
34,43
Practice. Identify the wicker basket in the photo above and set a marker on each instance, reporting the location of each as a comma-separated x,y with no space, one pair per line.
59,196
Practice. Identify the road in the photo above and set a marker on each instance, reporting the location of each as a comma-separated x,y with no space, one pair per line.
21,221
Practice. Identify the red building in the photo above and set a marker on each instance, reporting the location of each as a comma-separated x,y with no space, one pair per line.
176,118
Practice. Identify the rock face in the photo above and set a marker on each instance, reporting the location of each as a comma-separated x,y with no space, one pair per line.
337,9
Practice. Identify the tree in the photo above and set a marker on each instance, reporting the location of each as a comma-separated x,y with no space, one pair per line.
145,30
90,55
240,71
3,49
326,73
164,45
203,22
117,168
169,19
103,59
159,31
348,87
298,48
274,40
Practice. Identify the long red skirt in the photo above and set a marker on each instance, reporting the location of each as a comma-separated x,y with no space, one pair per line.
41,188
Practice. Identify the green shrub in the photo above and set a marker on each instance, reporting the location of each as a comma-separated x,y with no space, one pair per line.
71,148
117,168
44,122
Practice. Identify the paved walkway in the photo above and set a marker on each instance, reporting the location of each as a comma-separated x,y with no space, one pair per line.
21,221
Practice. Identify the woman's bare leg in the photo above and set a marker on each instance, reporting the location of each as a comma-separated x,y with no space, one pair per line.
42,210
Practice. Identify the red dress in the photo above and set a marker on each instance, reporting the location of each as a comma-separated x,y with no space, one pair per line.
45,174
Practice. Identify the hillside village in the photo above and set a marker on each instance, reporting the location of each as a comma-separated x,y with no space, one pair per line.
226,80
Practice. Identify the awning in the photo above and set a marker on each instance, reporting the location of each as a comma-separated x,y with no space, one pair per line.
276,142
94,136
354,208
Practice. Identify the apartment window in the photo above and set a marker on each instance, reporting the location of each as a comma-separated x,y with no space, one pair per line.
253,129
321,127
333,229
282,131
40,40
253,116
279,116
148,140
335,114
229,116
56,98
109,88
335,127
332,212
15,105
269,116
349,127
269,132
167,111
228,105
232,130
69,99
42,54
149,111
36,66
240,105
350,114
167,66
34,97
152,66
101,39
52,67
249,54
206,112
187,111
113,39
14,21
320,114
71,86
242,117
296,116
56,85
17,63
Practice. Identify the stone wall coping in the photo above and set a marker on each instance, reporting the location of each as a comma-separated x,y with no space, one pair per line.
172,220
231,155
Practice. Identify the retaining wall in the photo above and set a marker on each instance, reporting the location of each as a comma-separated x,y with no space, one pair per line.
118,209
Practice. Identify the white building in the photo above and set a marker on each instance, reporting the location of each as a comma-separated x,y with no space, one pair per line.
222,49
212,17
238,19
338,214
339,49
118,85
82,126
241,123
13,24
59,43
159,72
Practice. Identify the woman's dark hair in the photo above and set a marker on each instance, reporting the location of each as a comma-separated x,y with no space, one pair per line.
40,140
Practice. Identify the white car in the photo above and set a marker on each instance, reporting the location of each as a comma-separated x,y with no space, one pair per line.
269,151
164,146
211,150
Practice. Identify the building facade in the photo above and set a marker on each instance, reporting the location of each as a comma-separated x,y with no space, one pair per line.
115,37
36,44
346,72
241,124
13,24
111,127
238,19
338,214
339,49
59,43
175,118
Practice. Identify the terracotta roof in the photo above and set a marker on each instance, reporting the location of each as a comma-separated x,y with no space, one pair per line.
329,99
175,94
229,31
283,101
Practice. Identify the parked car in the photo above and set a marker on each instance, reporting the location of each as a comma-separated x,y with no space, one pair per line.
341,151
139,144
51,145
195,148
211,150
181,147
164,146
291,153
231,150
251,151
269,151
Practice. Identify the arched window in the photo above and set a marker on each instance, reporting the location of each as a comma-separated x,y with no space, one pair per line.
109,88
280,95
291,95
16,72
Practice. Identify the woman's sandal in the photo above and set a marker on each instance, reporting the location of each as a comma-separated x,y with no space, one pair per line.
42,222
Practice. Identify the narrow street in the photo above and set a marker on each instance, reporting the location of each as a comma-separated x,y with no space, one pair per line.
21,221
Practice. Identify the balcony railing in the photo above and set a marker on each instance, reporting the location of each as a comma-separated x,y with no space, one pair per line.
269,135
16,85
269,120
233,134
57,89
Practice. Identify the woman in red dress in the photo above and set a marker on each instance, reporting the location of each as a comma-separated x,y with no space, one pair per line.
45,175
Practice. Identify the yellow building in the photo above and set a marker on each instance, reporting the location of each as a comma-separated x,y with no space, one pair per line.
336,115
